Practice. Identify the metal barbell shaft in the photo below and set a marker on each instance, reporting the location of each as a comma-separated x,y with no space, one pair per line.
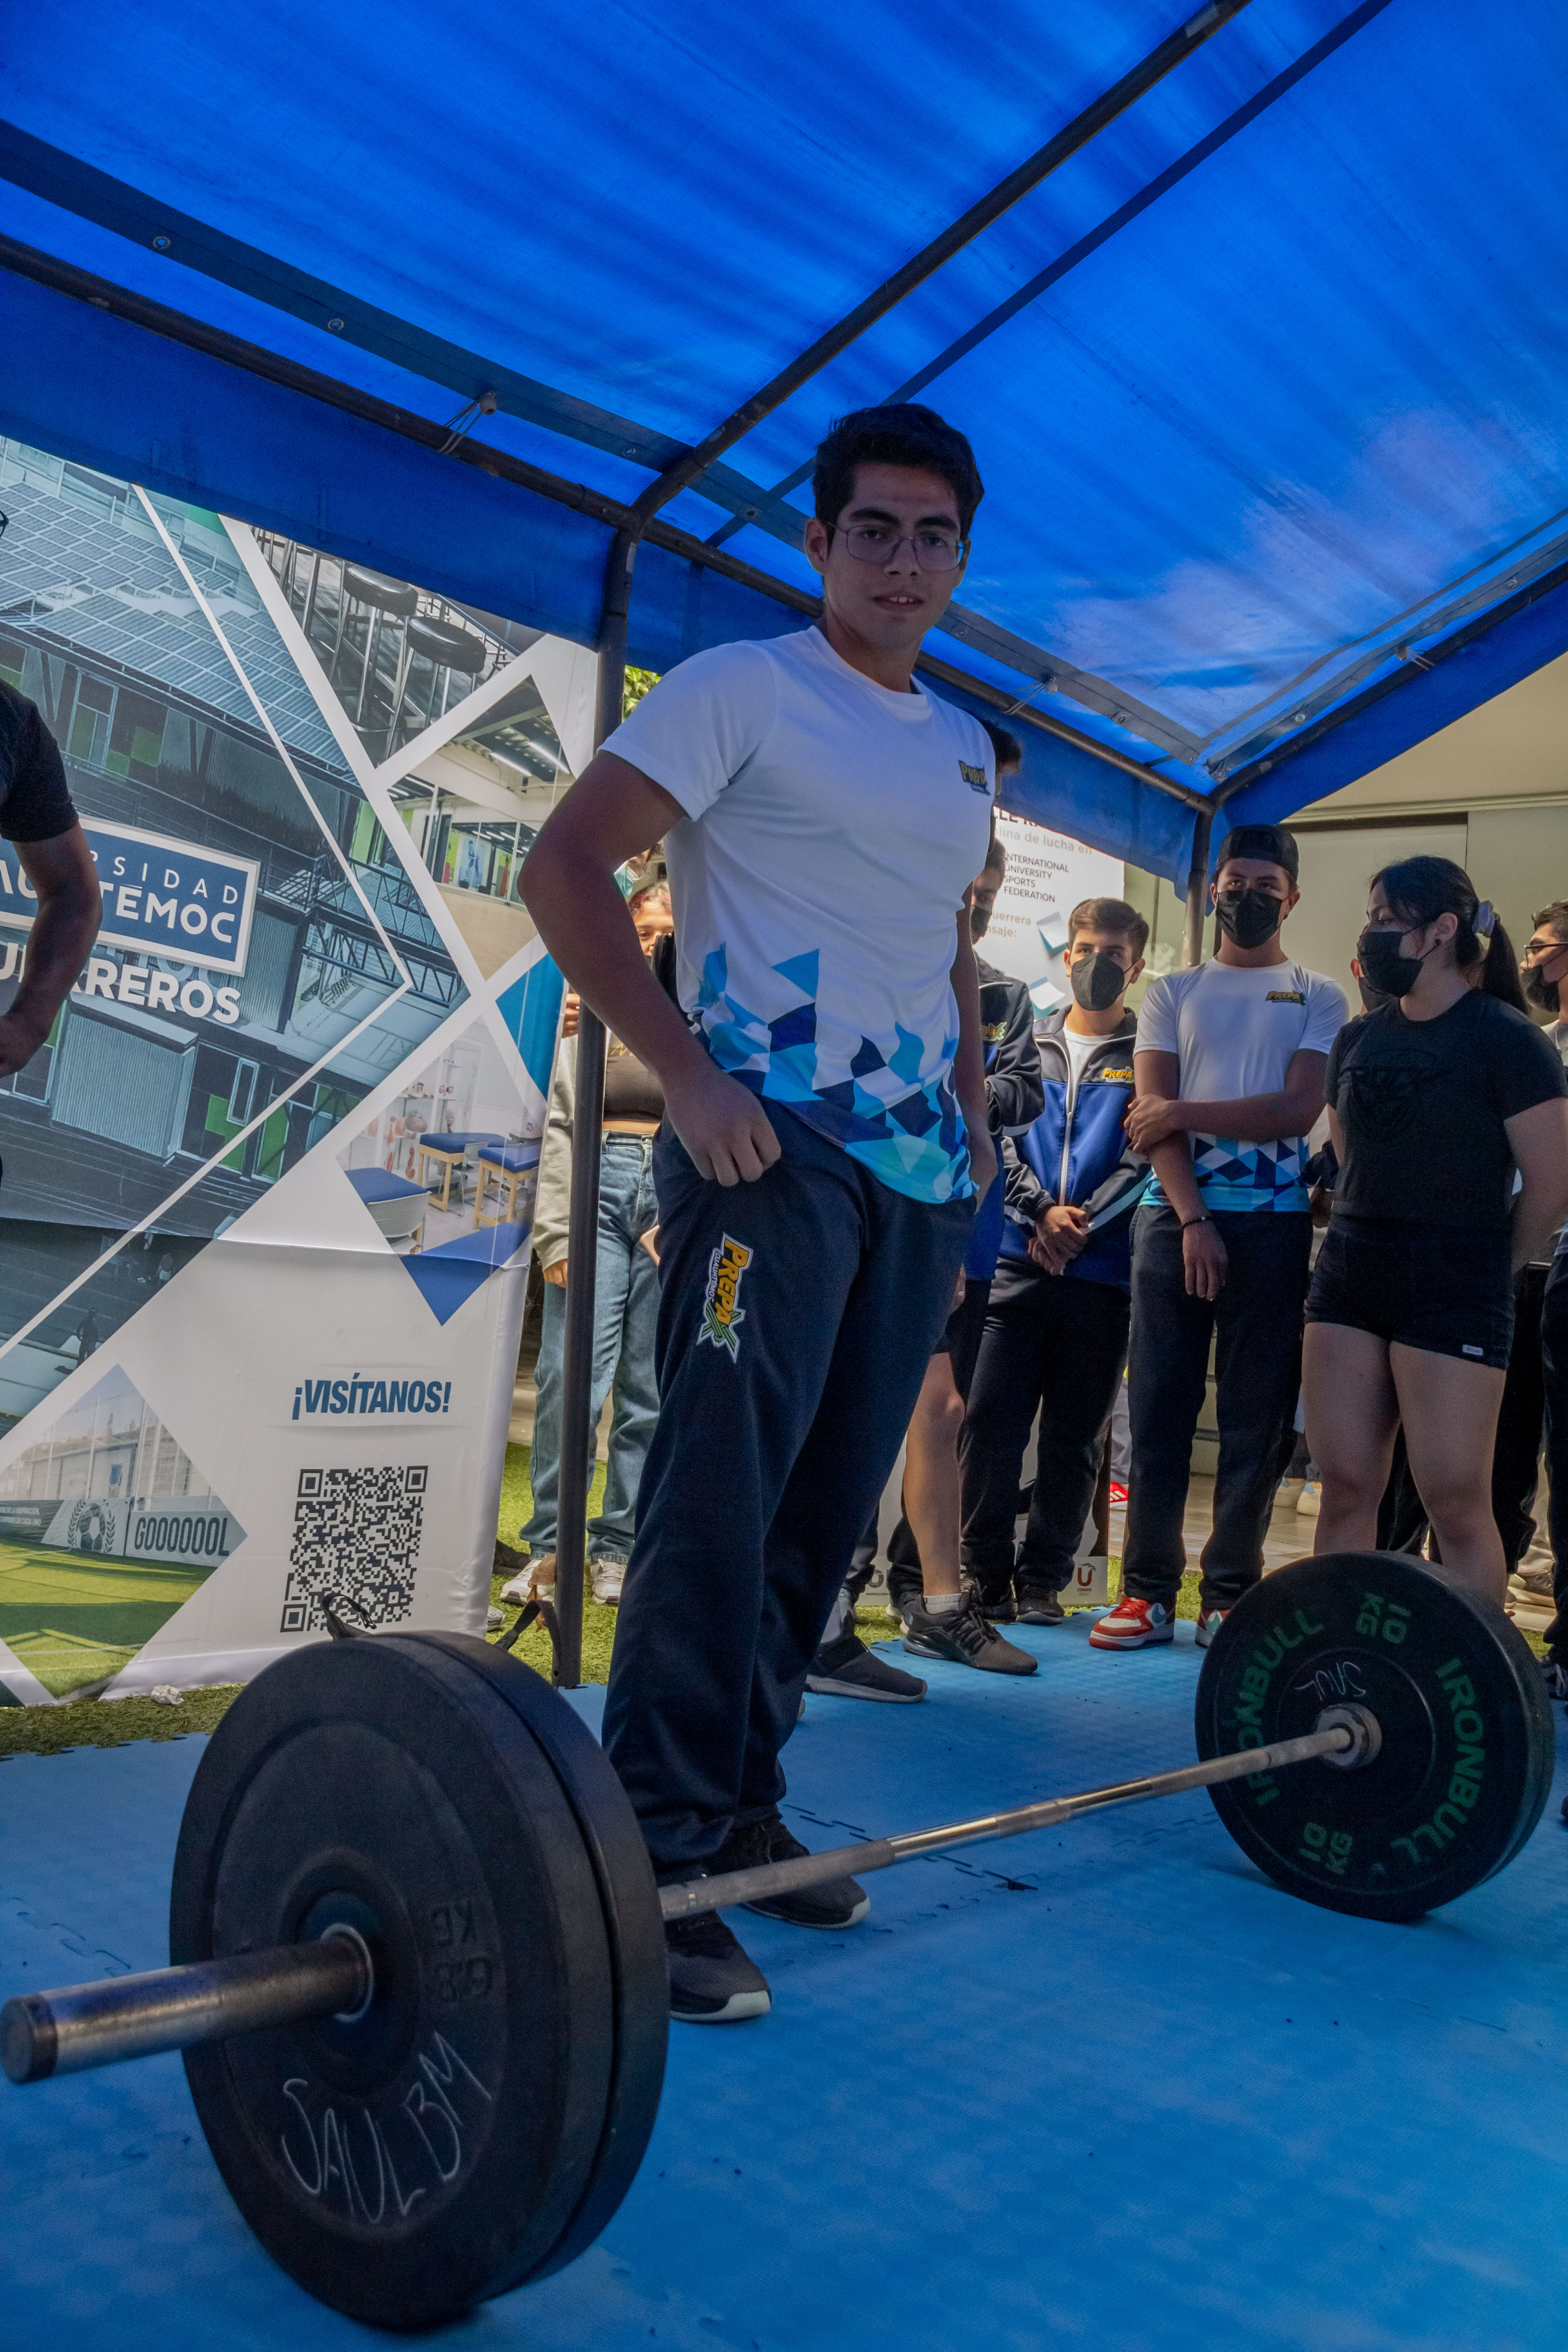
1341,1729
79,2026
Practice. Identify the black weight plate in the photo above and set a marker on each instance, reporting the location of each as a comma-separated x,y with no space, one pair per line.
634,1925
1468,1739
447,2146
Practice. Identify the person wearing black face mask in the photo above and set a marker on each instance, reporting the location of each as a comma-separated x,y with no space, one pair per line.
1056,1333
1229,1060
1435,1102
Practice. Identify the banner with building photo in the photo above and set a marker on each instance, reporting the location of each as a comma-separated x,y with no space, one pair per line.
1048,873
262,1292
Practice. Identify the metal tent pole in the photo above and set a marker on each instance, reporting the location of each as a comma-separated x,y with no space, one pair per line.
577,1466
1197,890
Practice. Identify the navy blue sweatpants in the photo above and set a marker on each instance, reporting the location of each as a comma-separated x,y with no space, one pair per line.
796,1316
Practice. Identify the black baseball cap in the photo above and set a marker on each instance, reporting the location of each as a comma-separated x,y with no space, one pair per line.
1271,842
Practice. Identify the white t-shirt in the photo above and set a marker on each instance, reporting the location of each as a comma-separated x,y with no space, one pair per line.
1077,1049
833,828
1234,1029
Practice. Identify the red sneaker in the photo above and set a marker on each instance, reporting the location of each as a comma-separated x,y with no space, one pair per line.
1133,1625
1118,1496
1208,1625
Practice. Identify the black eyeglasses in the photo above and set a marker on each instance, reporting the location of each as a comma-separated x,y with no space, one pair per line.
882,542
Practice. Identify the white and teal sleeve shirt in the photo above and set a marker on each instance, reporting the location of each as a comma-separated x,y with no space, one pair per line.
832,827
1233,1030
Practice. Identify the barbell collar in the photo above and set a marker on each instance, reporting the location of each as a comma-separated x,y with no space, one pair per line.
1346,1736
80,2026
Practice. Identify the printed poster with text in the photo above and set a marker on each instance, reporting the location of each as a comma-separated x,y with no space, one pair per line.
1048,873
267,1186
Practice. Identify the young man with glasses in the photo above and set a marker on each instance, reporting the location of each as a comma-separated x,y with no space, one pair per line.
1229,1061
824,1141
1056,1332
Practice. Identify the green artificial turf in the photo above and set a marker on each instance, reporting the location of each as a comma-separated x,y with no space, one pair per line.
74,1618
66,1582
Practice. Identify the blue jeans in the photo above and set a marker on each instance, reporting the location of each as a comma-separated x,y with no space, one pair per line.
626,1317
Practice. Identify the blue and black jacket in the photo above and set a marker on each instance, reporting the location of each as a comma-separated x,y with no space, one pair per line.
1076,1154
1013,1096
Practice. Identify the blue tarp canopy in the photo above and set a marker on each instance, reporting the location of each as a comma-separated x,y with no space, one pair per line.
1264,354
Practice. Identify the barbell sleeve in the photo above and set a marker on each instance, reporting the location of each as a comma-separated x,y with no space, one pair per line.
79,2026
1344,1736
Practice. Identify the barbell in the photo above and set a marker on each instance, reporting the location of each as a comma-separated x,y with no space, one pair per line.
418,1965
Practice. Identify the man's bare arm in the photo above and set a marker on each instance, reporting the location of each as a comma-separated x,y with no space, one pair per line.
1290,1110
1157,1077
70,908
569,889
969,1061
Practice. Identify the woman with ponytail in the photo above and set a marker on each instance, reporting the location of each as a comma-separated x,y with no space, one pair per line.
1435,1101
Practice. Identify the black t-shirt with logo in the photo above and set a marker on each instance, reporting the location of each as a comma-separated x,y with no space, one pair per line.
1422,1103
34,800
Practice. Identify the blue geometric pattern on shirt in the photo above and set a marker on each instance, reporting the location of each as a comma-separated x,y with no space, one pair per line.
913,1143
1236,1176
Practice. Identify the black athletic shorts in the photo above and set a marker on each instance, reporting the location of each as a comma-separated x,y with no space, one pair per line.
961,1334
1447,1289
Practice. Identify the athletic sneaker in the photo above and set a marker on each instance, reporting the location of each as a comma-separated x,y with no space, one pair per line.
848,1669
535,1581
903,1593
712,1981
1208,1625
839,1902
996,1600
963,1636
1133,1625
494,1619
608,1576
1309,1501
1118,1496
1040,1604
1531,1583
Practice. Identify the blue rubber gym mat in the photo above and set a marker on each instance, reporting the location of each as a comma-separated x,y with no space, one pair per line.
1105,2085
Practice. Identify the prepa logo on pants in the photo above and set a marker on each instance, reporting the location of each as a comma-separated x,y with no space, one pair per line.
721,1313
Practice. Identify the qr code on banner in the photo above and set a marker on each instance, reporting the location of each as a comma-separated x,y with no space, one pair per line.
356,1544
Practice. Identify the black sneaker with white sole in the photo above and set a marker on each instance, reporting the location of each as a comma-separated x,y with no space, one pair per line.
712,1981
848,1669
1039,1605
965,1637
839,1902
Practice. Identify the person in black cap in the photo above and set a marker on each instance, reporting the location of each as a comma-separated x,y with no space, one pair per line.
1229,1065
